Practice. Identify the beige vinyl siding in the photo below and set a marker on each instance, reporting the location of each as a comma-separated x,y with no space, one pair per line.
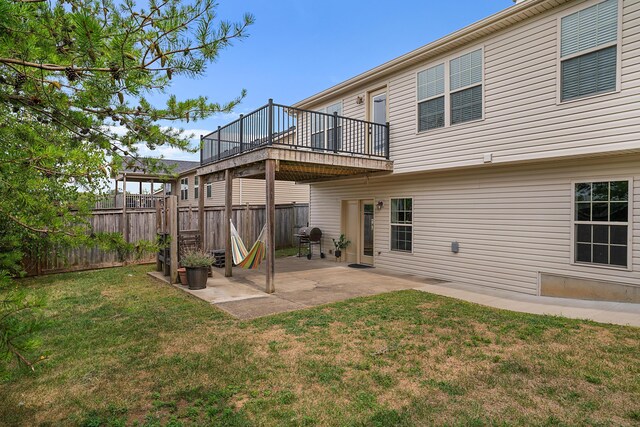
512,222
248,191
522,119
253,192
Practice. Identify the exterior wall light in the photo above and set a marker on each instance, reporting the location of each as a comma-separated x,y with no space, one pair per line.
380,205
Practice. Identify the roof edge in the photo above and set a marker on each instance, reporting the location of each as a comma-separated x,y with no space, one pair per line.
414,55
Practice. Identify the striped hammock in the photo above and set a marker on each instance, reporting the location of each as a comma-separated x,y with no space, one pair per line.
249,259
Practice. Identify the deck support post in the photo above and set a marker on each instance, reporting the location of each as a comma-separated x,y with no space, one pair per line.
201,212
228,211
270,176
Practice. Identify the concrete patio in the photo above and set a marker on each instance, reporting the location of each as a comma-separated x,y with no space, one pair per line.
301,283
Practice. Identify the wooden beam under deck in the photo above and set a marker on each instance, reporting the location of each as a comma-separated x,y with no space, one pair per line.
298,165
270,178
228,209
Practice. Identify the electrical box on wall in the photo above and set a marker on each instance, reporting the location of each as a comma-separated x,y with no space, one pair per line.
455,247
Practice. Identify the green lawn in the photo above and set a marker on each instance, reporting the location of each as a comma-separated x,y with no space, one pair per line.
125,350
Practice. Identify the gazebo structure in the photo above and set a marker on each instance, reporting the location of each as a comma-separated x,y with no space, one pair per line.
165,177
278,142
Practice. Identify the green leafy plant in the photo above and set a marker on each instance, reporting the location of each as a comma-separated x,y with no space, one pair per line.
196,258
341,243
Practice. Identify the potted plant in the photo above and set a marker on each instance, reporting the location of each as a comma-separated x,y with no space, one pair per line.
198,263
182,272
340,244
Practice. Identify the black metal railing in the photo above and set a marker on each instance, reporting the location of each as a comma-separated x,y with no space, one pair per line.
295,128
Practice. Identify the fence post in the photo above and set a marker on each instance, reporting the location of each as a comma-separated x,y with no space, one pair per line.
124,223
270,124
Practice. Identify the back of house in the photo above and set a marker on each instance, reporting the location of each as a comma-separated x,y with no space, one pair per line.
515,145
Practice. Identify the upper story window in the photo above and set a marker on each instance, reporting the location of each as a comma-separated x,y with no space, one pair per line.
589,51
465,73
184,188
601,221
451,92
431,98
196,187
209,189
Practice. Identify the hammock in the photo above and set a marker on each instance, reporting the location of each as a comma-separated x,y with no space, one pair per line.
249,259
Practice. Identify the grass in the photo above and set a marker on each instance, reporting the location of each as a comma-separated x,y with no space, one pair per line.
285,252
124,350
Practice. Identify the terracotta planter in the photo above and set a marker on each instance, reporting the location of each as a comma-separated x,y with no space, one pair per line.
182,272
197,277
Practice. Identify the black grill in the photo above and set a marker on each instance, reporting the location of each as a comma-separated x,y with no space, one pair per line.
309,236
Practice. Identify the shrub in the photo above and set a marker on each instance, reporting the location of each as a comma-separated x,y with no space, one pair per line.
196,258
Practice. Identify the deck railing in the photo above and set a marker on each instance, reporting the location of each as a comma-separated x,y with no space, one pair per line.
134,201
298,129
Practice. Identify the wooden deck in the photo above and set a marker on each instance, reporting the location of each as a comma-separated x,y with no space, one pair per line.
296,165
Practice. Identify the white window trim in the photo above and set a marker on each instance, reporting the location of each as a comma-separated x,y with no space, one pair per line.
447,90
391,224
196,187
629,224
559,58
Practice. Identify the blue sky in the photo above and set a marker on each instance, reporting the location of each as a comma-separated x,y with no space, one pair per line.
297,48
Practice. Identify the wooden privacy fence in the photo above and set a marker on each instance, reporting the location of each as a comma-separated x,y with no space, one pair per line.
142,227
141,224
248,220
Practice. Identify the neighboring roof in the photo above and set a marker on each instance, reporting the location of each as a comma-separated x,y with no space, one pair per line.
496,22
136,168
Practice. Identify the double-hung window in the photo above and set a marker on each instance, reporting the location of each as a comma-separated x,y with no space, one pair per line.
589,51
184,188
465,74
209,190
601,223
451,92
196,187
402,224
431,98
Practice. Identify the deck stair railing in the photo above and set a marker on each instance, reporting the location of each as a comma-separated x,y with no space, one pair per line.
294,128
